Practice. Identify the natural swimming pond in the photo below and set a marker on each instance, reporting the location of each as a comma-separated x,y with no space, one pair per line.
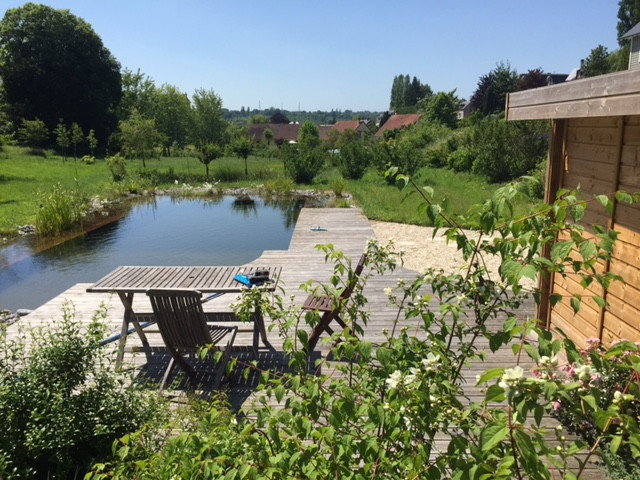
164,231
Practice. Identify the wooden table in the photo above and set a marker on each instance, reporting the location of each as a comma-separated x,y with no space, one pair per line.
127,281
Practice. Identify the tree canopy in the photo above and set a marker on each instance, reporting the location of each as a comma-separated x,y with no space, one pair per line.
53,65
405,93
491,93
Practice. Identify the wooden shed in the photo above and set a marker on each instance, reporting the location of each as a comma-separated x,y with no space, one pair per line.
595,144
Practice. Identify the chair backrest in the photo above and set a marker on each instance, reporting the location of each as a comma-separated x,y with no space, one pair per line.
180,317
351,284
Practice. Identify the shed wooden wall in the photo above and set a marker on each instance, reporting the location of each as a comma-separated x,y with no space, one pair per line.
601,155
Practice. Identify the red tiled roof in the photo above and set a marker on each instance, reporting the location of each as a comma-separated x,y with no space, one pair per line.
398,121
346,125
281,131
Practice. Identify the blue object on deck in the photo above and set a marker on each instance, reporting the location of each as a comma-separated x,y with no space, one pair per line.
242,279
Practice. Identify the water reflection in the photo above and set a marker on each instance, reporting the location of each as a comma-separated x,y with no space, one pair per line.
162,231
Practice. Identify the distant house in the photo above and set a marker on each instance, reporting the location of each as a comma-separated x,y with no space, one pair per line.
397,122
634,55
464,112
282,132
358,126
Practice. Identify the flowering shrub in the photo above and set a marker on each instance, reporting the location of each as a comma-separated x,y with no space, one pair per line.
399,409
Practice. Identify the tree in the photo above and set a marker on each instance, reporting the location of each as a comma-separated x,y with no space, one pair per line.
173,115
628,17
258,119
597,63
139,136
492,89
53,65
308,136
278,117
139,93
534,78
405,93
208,122
77,137
242,148
442,108
207,154
33,133
92,141
62,138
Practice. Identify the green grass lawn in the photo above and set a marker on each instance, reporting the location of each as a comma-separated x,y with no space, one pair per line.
23,177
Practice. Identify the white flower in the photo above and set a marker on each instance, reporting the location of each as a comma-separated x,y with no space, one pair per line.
511,377
394,379
585,372
388,291
431,362
413,376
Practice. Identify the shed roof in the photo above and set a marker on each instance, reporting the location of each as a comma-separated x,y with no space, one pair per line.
633,32
610,95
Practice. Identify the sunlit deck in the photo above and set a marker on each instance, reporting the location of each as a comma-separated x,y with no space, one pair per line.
347,229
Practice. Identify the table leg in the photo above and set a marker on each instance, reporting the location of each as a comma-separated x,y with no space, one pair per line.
129,317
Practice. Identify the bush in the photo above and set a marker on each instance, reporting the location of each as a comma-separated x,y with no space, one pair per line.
302,165
60,210
460,160
88,160
354,160
506,150
117,166
61,405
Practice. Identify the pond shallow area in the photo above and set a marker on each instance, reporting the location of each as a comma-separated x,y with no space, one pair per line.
164,231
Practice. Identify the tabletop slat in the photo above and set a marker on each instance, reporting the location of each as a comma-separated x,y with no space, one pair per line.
206,279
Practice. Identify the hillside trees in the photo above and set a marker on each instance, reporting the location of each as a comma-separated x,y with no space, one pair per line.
53,65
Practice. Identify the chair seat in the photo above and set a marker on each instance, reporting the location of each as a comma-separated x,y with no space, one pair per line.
321,303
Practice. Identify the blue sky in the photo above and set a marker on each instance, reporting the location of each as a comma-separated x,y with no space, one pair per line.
340,54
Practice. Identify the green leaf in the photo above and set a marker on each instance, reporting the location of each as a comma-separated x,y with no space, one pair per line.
624,197
561,250
575,304
616,441
601,302
577,211
605,202
492,436
588,250
433,211
490,374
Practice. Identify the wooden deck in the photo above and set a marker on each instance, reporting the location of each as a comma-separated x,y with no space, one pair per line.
347,229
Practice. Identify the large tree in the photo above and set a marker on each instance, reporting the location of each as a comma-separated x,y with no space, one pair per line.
208,121
173,115
405,93
628,17
597,63
53,65
492,89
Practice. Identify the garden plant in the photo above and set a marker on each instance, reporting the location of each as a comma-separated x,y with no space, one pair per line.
399,409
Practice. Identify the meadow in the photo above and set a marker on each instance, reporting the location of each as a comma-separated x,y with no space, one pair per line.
26,180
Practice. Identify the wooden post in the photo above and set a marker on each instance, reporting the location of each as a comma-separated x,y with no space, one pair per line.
556,165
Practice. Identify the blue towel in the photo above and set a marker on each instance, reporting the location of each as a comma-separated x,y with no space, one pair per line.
242,279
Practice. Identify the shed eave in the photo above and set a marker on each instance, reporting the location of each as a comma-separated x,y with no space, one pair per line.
602,96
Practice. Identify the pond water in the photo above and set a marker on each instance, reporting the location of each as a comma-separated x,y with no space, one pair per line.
166,231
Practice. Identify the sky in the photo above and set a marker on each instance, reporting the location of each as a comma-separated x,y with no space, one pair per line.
340,54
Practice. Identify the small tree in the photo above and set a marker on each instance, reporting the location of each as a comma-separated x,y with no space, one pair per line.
139,135
597,63
62,138
77,137
92,141
442,108
208,153
33,133
242,148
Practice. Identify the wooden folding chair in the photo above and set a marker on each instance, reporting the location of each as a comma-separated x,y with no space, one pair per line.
330,308
184,329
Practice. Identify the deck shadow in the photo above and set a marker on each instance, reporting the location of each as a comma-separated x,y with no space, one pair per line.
238,387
